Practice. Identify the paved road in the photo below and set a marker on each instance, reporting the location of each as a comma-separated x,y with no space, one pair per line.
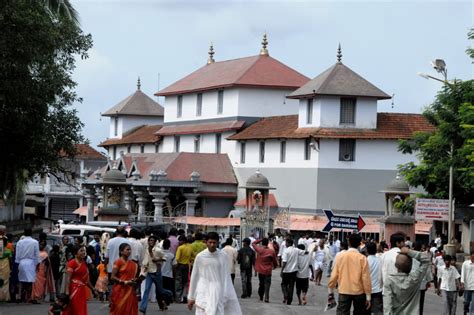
316,302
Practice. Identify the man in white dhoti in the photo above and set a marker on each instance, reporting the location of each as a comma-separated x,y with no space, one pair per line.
211,287
27,257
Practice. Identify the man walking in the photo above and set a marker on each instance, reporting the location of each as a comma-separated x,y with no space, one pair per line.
27,257
351,274
402,288
375,267
397,241
266,261
448,285
289,268
246,260
231,257
305,270
467,281
211,288
184,257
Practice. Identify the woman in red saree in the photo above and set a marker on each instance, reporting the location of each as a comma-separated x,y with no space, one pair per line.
78,286
44,282
123,299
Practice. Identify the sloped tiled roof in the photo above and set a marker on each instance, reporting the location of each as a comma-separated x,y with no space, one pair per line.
142,134
137,104
197,128
254,71
213,167
86,152
389,126
339,80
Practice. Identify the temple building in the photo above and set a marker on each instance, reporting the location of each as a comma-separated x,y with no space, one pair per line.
321,143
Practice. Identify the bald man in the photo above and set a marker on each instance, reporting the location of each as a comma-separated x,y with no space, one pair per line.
402,288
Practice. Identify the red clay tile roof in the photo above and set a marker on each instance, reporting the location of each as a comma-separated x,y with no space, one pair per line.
136,104
254,71
86,152
389,126
142,134
339,80
201,128
271,202
213,168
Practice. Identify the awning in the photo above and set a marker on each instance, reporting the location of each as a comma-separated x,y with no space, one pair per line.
200,128
208,221
82,211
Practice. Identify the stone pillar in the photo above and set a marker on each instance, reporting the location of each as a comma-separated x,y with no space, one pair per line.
158,202
127,199
90,197
141,199
99,193
191,202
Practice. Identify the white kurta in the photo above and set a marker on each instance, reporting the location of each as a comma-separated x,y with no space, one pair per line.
27,257
211,286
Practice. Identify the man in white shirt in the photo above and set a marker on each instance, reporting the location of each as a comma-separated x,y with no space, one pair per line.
112,252
397,241
448,284
438,241
305,271
231,257
136,246
27,257
210,288
289,268
467,281
375,268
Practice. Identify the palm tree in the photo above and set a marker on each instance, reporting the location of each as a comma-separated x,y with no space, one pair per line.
61,9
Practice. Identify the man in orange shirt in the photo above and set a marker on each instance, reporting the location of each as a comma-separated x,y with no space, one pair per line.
351,274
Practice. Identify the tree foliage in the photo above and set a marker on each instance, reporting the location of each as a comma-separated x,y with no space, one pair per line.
37,58
434,149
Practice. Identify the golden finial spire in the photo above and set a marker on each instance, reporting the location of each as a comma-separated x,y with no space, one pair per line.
138,84
264,50
211,54
339,54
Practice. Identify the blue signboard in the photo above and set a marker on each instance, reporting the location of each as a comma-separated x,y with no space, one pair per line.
343,222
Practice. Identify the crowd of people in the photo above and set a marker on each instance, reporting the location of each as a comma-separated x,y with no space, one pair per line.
129,269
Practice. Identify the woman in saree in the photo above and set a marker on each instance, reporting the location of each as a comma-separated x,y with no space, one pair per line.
78,286
44,282
123,299
6,250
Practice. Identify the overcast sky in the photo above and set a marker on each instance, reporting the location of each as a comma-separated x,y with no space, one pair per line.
387,42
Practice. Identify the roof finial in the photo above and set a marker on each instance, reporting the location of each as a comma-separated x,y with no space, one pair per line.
264,50
211,54
339,54
138,84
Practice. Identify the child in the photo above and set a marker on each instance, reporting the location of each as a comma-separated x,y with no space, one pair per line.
448,285
57,307
102,282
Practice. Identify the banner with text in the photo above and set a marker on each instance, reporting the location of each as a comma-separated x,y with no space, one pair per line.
432,209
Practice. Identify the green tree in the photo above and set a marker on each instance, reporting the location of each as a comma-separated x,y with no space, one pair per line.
61,9
434,149
37,124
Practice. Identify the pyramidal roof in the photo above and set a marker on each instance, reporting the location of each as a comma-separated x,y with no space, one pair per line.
339,80
254,71
137,104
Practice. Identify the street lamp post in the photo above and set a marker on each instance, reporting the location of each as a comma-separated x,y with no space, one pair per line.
440,66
